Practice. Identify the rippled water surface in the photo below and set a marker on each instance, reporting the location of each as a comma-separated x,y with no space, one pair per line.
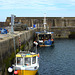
58,60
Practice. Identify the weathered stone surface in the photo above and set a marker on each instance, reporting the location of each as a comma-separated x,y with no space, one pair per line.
7,42
51,21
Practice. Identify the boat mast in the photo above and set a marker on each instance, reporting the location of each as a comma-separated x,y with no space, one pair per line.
44,22
36,45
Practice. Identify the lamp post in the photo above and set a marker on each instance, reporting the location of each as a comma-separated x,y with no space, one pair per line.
12,30
12,23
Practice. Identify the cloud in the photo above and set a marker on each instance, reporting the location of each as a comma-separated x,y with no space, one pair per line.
25,4
35,7
37,4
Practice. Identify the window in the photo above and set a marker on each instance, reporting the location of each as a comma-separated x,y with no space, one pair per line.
41,37
33,60
19,61
48,36
27,61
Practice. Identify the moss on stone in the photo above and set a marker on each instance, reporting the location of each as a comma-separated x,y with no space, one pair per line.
22,47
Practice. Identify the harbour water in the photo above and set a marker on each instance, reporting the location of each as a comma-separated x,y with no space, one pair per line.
58,60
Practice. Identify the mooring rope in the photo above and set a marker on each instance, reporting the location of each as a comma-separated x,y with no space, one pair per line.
19,43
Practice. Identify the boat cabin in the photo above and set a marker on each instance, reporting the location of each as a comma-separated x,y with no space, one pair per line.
44,36
26,59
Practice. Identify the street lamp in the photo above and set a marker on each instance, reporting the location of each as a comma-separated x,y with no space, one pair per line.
12,23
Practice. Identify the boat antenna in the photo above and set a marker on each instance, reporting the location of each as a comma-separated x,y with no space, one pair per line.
36,45
44,22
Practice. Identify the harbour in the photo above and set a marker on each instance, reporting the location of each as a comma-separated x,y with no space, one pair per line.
54,45
37,37
58,60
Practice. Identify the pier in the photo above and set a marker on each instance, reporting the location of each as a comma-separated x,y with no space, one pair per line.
7,51
63,27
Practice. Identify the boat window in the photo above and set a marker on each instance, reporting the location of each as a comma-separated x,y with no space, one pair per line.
41,37
19,61
48,36
33,60
27,61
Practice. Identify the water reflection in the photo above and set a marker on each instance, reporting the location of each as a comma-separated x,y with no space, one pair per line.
58,60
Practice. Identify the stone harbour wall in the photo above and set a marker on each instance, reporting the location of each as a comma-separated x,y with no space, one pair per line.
7,46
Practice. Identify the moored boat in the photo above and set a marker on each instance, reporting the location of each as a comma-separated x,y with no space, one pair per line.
27,63
45,38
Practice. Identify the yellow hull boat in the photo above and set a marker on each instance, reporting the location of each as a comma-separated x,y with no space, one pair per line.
27,63
27,72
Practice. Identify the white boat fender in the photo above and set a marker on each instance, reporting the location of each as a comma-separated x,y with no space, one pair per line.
10,69
35,43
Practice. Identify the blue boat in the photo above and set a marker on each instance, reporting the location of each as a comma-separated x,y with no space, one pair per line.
45,38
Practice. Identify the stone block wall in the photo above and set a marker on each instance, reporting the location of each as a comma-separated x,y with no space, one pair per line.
51,21
7,43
